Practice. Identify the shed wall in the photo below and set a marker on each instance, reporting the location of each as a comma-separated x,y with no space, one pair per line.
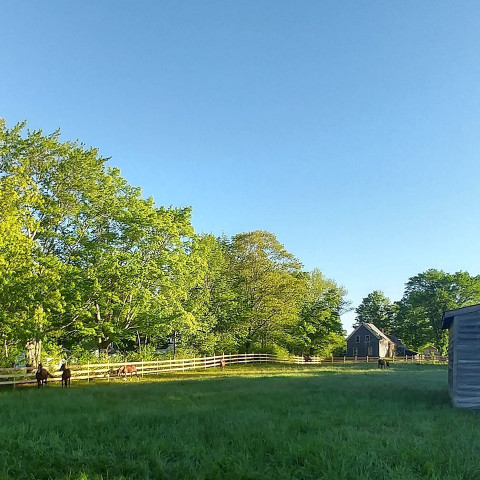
464,361
451,359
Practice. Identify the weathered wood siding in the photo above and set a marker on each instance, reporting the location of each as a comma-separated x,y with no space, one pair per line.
363,345
451,359
464,356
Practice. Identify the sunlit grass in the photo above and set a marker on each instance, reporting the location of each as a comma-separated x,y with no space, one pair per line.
249,422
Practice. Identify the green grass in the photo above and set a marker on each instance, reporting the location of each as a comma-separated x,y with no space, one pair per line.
250,422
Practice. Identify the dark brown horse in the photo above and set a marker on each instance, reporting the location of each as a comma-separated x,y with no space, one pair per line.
41,374
306,358
66,375
382,363
128,369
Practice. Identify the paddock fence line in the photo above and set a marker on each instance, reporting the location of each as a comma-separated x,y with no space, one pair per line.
25,375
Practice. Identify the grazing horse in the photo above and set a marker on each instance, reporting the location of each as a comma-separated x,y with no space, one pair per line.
382,363
41,374
222,365
125,369
66,375
306,358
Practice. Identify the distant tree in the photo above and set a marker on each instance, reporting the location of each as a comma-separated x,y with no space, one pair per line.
211,297
376,308
427,295
320,315
269,288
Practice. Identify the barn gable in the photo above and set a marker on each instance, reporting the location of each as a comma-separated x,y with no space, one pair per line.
368,340
463,325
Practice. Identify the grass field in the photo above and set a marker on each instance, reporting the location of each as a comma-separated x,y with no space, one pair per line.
250,422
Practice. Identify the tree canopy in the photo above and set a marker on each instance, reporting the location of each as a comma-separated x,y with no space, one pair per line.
417,317
87,263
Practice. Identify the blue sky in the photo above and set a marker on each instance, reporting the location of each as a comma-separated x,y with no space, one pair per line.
349,129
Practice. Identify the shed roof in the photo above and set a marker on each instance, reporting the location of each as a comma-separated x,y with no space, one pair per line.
374,330
449,314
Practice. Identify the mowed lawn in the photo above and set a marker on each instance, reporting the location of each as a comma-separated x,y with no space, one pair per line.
250,422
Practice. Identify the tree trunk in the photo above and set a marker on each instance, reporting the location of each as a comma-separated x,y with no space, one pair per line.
103,344
5,346
33,352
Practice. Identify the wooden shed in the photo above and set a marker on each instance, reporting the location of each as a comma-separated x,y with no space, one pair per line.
464,355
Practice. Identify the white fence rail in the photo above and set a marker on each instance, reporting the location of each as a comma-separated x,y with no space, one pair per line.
26,375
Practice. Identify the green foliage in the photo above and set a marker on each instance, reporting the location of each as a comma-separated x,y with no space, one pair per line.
376,308
87,264
427,295
417,317
268,285
320,330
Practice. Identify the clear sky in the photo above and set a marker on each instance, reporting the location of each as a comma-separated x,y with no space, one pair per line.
349,129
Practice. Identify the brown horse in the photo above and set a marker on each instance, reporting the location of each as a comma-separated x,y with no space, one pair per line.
222,365
41,374
66,375
306,358
125,369
382,363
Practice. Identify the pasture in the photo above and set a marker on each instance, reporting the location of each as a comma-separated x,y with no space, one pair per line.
332,422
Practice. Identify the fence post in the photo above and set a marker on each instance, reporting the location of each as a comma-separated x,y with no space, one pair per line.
344,359
355,359
88,372
142,368
367,358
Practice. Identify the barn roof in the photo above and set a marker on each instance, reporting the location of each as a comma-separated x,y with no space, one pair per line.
449,314
374,330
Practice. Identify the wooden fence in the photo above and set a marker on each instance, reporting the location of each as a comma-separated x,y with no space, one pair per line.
26,375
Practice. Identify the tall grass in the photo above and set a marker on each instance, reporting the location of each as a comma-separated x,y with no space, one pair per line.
251,422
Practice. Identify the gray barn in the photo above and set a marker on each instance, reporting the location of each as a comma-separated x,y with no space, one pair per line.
368,340
464,355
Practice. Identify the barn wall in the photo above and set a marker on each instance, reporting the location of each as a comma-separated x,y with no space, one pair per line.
363,345
464,364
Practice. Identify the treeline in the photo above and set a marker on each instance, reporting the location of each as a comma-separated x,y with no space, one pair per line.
417,317
87,264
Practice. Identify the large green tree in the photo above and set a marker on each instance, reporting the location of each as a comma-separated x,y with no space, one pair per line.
101,263
211,297
427,295
376,308
269,288
321,330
